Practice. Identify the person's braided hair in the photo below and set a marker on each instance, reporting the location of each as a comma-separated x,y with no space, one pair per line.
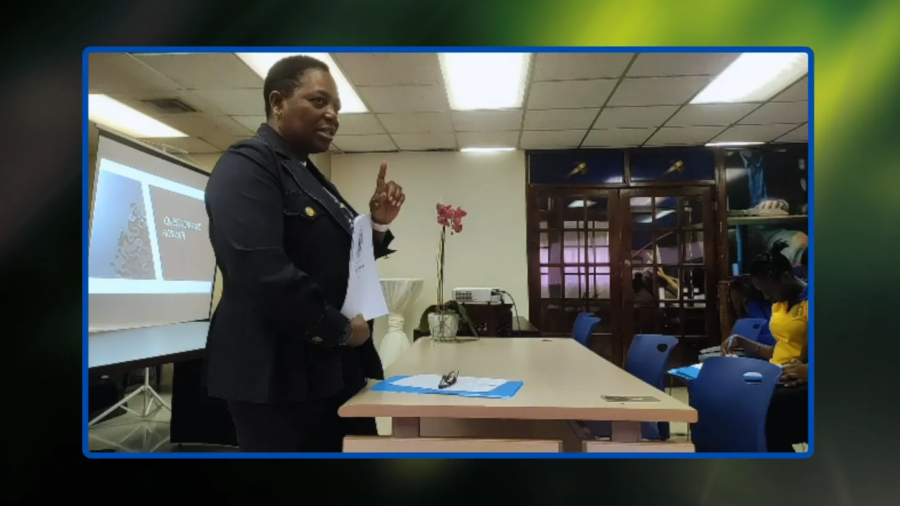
771,264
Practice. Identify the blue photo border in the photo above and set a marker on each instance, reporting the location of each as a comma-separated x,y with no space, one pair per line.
85,203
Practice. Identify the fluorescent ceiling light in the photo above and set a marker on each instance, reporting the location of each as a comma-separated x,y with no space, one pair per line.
485,80
485,150
723,144
350,101
754,77
118,116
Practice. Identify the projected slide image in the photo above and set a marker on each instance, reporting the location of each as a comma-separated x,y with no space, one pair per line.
148,235
120,243
181,234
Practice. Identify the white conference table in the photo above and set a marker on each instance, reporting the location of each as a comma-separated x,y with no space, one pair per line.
563,382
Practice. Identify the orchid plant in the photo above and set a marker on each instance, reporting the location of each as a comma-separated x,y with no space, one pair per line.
447,218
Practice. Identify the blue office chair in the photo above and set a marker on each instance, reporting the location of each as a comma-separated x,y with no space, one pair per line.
584,327
647,359
753,329
582,315
731,396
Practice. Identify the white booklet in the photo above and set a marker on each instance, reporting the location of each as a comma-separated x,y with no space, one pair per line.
365,295
463,383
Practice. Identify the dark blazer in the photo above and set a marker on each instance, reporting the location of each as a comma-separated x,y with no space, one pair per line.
283,246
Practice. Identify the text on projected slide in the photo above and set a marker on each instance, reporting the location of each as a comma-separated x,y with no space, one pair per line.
148,235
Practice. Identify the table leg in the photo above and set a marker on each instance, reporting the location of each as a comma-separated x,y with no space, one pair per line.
405,427
626,432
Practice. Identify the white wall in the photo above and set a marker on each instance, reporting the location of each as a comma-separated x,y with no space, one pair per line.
491,251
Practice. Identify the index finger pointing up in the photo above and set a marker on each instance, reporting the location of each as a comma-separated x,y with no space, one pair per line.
382,172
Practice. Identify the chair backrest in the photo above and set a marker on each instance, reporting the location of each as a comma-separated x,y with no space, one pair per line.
749,328
648,356
584,327
731,396
578,318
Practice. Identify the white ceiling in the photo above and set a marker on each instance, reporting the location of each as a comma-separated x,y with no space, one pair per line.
572,100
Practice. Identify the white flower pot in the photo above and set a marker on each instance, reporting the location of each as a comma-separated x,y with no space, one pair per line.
443,327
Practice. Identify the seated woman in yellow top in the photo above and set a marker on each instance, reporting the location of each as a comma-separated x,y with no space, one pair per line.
773,275
788,414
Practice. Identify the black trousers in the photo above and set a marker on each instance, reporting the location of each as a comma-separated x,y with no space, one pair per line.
786,421
309,426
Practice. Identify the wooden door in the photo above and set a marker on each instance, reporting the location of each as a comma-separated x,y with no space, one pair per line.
573,264
668,274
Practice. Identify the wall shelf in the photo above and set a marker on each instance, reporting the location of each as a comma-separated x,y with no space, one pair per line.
766,220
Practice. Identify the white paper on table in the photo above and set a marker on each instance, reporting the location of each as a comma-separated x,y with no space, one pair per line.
463,383
364,293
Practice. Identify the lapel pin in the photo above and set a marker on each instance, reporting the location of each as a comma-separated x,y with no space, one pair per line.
310,212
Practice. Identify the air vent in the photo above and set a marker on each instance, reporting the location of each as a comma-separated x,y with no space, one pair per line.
170,105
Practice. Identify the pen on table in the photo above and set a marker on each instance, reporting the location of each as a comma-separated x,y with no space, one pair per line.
448,380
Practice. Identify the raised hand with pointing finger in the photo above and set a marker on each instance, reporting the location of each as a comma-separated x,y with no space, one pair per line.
387,199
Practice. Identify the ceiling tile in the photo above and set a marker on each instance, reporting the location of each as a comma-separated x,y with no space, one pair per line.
235,102
657,91
120,73
710,114
405,98
189,144
390,69
196,71
223,141
680,64
364,143
753,133
487,139
778,112
137,102
565,66
799,134
197,125
634,117
414,142
487,121
799,92
417,122
359,124
676,136
569,94
560,139
253,122
620,137
560,119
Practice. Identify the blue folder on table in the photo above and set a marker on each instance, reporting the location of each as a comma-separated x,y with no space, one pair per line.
504,391
688,373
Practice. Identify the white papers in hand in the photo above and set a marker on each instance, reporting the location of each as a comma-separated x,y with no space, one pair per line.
463,383
364,293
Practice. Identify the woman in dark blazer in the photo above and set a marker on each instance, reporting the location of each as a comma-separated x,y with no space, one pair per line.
279,350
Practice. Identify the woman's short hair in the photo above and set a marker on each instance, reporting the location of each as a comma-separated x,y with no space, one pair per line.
287,74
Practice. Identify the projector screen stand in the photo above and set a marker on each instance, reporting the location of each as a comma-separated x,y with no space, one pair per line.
150,396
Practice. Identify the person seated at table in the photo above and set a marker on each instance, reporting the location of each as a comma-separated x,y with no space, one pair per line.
748,302
786,420
773,275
